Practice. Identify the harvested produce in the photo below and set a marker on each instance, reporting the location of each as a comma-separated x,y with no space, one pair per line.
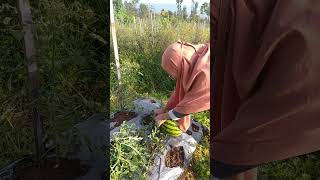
171,128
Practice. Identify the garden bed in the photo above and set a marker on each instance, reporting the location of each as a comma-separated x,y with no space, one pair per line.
168,157
175,157
53,168
121,116
85,157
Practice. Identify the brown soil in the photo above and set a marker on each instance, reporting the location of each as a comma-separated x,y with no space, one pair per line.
205,131
187,175
121,116
189,132
147,120
175,157
195,128
53,170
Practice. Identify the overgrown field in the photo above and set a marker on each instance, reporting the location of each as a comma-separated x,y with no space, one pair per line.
140,53
140,57
71,57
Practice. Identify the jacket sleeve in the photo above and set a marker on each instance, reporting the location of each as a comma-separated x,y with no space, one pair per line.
170,102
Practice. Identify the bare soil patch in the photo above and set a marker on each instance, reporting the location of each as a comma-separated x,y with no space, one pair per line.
187,175
175,157
121,116
147,119
189,132
64,169
195,128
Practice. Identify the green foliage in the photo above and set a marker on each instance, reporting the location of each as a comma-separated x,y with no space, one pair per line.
140,57
133,151
14,112
156,142
143,10
67,144
118,6
125,11
194,10
304,167
184,13
201,157
179,5
70,50
130,7
204,9
120,11
128,155
203,118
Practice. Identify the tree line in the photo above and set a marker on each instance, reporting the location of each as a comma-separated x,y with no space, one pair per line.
126,10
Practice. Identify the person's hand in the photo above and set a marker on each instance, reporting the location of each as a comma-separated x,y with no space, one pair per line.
161,118
159,111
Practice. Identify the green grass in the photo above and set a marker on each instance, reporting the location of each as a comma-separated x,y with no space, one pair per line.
304,167
140,58
72,71
201,158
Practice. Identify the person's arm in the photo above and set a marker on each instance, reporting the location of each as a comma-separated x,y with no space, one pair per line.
170,104
179,115
174,115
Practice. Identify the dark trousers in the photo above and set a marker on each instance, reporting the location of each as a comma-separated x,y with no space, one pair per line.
221,170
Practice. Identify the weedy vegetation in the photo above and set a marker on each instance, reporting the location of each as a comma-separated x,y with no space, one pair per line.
71,56
133,151
141,42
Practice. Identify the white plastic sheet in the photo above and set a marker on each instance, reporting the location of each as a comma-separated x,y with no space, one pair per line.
159,171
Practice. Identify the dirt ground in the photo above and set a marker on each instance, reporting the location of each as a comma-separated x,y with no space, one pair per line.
147,120
54,170
187,175
195,128
175,157
189,132
121,116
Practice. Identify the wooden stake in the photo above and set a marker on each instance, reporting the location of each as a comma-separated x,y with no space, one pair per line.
140,25
134,25
152,29
151,21
26,22
116,54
